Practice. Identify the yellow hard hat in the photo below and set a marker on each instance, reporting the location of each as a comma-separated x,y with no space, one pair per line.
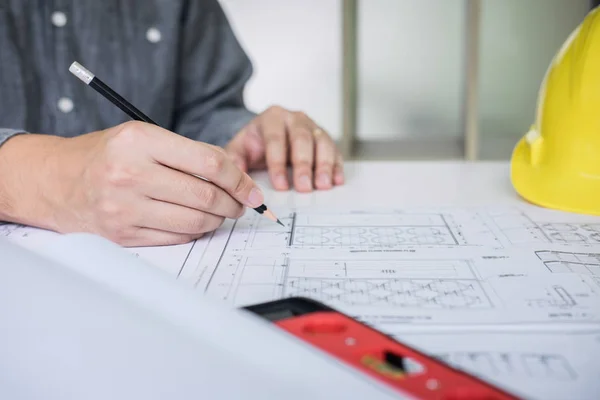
557,163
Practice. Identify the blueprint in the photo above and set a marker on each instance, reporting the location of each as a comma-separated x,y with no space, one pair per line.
433,267
538,364
446,266
511,294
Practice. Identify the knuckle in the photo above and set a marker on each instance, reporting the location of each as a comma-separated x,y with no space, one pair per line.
301,147
113,217
275,109
324,165
302,134
129,133
109,209
276,141
215,223
302,157
301,151
197,223
218,149
215,162
119,234
302,167
300,115
120,174
208,196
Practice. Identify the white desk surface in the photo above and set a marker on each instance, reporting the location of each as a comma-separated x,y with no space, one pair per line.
552,354
407,184
463,184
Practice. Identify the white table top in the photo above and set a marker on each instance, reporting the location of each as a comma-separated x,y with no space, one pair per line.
370,185
407,184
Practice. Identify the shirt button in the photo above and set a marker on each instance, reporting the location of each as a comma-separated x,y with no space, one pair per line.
65,105
153,35
59,19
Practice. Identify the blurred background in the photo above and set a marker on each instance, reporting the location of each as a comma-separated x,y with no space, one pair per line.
406,79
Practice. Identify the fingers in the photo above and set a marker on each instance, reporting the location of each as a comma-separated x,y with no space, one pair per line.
201,159
302,150
143,237
273,127
338,170
176,219
325,160
171,186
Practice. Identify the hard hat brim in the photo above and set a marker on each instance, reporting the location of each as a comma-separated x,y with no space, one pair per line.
553,188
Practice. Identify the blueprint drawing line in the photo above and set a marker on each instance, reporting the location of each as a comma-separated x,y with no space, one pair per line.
564,261
520,228
547,366
420,293
292,230
187,257
221,256
449,229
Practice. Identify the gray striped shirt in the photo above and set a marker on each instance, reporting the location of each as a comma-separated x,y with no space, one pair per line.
176,60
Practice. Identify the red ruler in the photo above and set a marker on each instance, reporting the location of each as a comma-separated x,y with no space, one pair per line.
374,353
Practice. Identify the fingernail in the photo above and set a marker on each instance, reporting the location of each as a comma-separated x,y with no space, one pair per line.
304,181
324,179
280,181
256,198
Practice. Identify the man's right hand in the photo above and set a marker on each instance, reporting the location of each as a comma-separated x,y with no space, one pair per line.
132,184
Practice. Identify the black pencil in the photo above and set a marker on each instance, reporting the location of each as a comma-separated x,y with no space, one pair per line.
94,82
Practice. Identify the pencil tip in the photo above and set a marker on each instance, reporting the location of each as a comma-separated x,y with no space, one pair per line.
279,222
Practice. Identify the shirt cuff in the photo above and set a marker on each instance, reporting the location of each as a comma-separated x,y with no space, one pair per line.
6,134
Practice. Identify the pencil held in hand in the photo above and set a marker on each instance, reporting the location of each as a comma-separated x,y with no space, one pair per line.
93,81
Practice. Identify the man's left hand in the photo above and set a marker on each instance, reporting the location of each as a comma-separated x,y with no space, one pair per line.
278,138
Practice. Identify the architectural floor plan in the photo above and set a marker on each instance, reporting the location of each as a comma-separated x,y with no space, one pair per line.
365,230
547,227
546,363
483,270
447,266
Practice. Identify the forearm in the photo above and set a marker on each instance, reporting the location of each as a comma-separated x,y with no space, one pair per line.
26,179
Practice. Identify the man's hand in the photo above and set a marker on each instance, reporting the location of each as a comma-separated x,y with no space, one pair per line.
278,138
132,184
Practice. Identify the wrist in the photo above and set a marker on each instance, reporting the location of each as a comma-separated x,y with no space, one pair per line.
28,179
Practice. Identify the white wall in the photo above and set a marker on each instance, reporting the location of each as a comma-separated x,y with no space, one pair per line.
295,48
411,55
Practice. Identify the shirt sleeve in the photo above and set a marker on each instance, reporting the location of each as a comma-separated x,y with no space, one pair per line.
6,134
213,72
